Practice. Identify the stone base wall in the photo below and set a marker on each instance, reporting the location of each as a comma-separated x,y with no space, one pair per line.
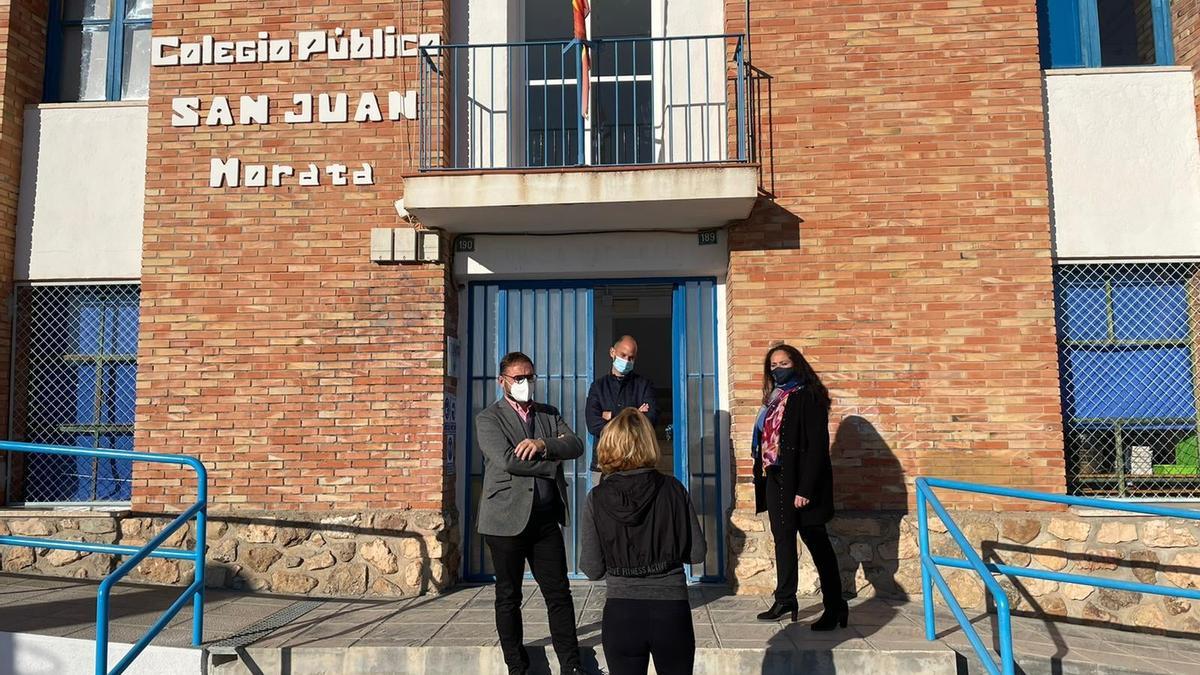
381,554
879,555
400,554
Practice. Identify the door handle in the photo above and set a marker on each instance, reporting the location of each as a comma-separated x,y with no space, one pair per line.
670,432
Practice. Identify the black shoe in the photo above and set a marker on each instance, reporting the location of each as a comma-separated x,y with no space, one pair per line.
833,618
523,668
780,609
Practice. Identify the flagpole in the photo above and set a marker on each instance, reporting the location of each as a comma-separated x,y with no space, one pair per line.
581,9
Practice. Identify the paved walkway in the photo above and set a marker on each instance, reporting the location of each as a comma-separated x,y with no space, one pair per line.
463,618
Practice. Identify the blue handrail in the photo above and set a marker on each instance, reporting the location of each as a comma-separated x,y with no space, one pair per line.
930,574
195,591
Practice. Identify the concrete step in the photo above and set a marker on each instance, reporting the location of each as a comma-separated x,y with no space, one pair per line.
1035,663
936,660
34,654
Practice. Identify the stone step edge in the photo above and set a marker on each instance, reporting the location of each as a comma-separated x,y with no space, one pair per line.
937,659
38,653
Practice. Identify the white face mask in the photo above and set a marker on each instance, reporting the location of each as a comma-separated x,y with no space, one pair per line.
521,392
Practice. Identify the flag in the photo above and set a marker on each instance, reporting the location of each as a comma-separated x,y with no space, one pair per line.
582,9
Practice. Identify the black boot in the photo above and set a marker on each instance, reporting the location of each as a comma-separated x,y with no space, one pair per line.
832,618
779,609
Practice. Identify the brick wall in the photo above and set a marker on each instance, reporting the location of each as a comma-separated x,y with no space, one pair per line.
1185,26
307,378
22,59
908,250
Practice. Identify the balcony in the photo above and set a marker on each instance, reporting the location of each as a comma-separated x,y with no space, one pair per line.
665,140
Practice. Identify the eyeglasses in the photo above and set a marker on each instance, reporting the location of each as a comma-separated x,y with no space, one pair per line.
521,379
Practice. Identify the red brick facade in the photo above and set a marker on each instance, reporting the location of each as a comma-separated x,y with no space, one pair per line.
305,376
1185,29
908,252
22,64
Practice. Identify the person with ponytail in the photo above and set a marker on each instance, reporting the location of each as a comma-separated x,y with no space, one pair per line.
793,481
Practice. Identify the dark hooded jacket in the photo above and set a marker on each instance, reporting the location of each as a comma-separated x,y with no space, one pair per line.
638,530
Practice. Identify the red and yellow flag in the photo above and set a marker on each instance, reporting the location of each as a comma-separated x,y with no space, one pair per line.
582,9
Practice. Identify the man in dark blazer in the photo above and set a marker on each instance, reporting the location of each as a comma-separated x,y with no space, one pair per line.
523,508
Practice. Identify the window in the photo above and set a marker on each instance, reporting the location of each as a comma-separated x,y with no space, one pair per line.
552,94
1128,342
98,50
74,369
621,105
1095,33
619,124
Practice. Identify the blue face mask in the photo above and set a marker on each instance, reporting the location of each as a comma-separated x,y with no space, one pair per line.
622,366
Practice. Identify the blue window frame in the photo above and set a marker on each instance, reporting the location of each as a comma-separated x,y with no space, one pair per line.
1103,33
98,50
74,375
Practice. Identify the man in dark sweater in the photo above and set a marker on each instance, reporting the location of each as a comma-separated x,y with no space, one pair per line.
616,390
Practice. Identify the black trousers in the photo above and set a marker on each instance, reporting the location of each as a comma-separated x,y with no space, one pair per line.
635,630
541,544
785,525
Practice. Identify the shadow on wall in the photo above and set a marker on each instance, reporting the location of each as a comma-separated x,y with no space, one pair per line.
1102,606
385,554
23,249
353,571
870,487
769,227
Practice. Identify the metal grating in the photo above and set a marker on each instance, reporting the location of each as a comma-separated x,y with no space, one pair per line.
263,628
73,382
1129,356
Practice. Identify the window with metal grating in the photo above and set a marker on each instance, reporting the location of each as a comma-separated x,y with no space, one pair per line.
1129,356
74,370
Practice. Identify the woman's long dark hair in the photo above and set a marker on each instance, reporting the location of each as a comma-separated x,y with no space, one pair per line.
806,374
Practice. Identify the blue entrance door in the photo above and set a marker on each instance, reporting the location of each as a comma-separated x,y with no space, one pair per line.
555,324
554,327
697,425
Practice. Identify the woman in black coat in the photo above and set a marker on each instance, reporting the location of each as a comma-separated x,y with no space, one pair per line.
793,481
